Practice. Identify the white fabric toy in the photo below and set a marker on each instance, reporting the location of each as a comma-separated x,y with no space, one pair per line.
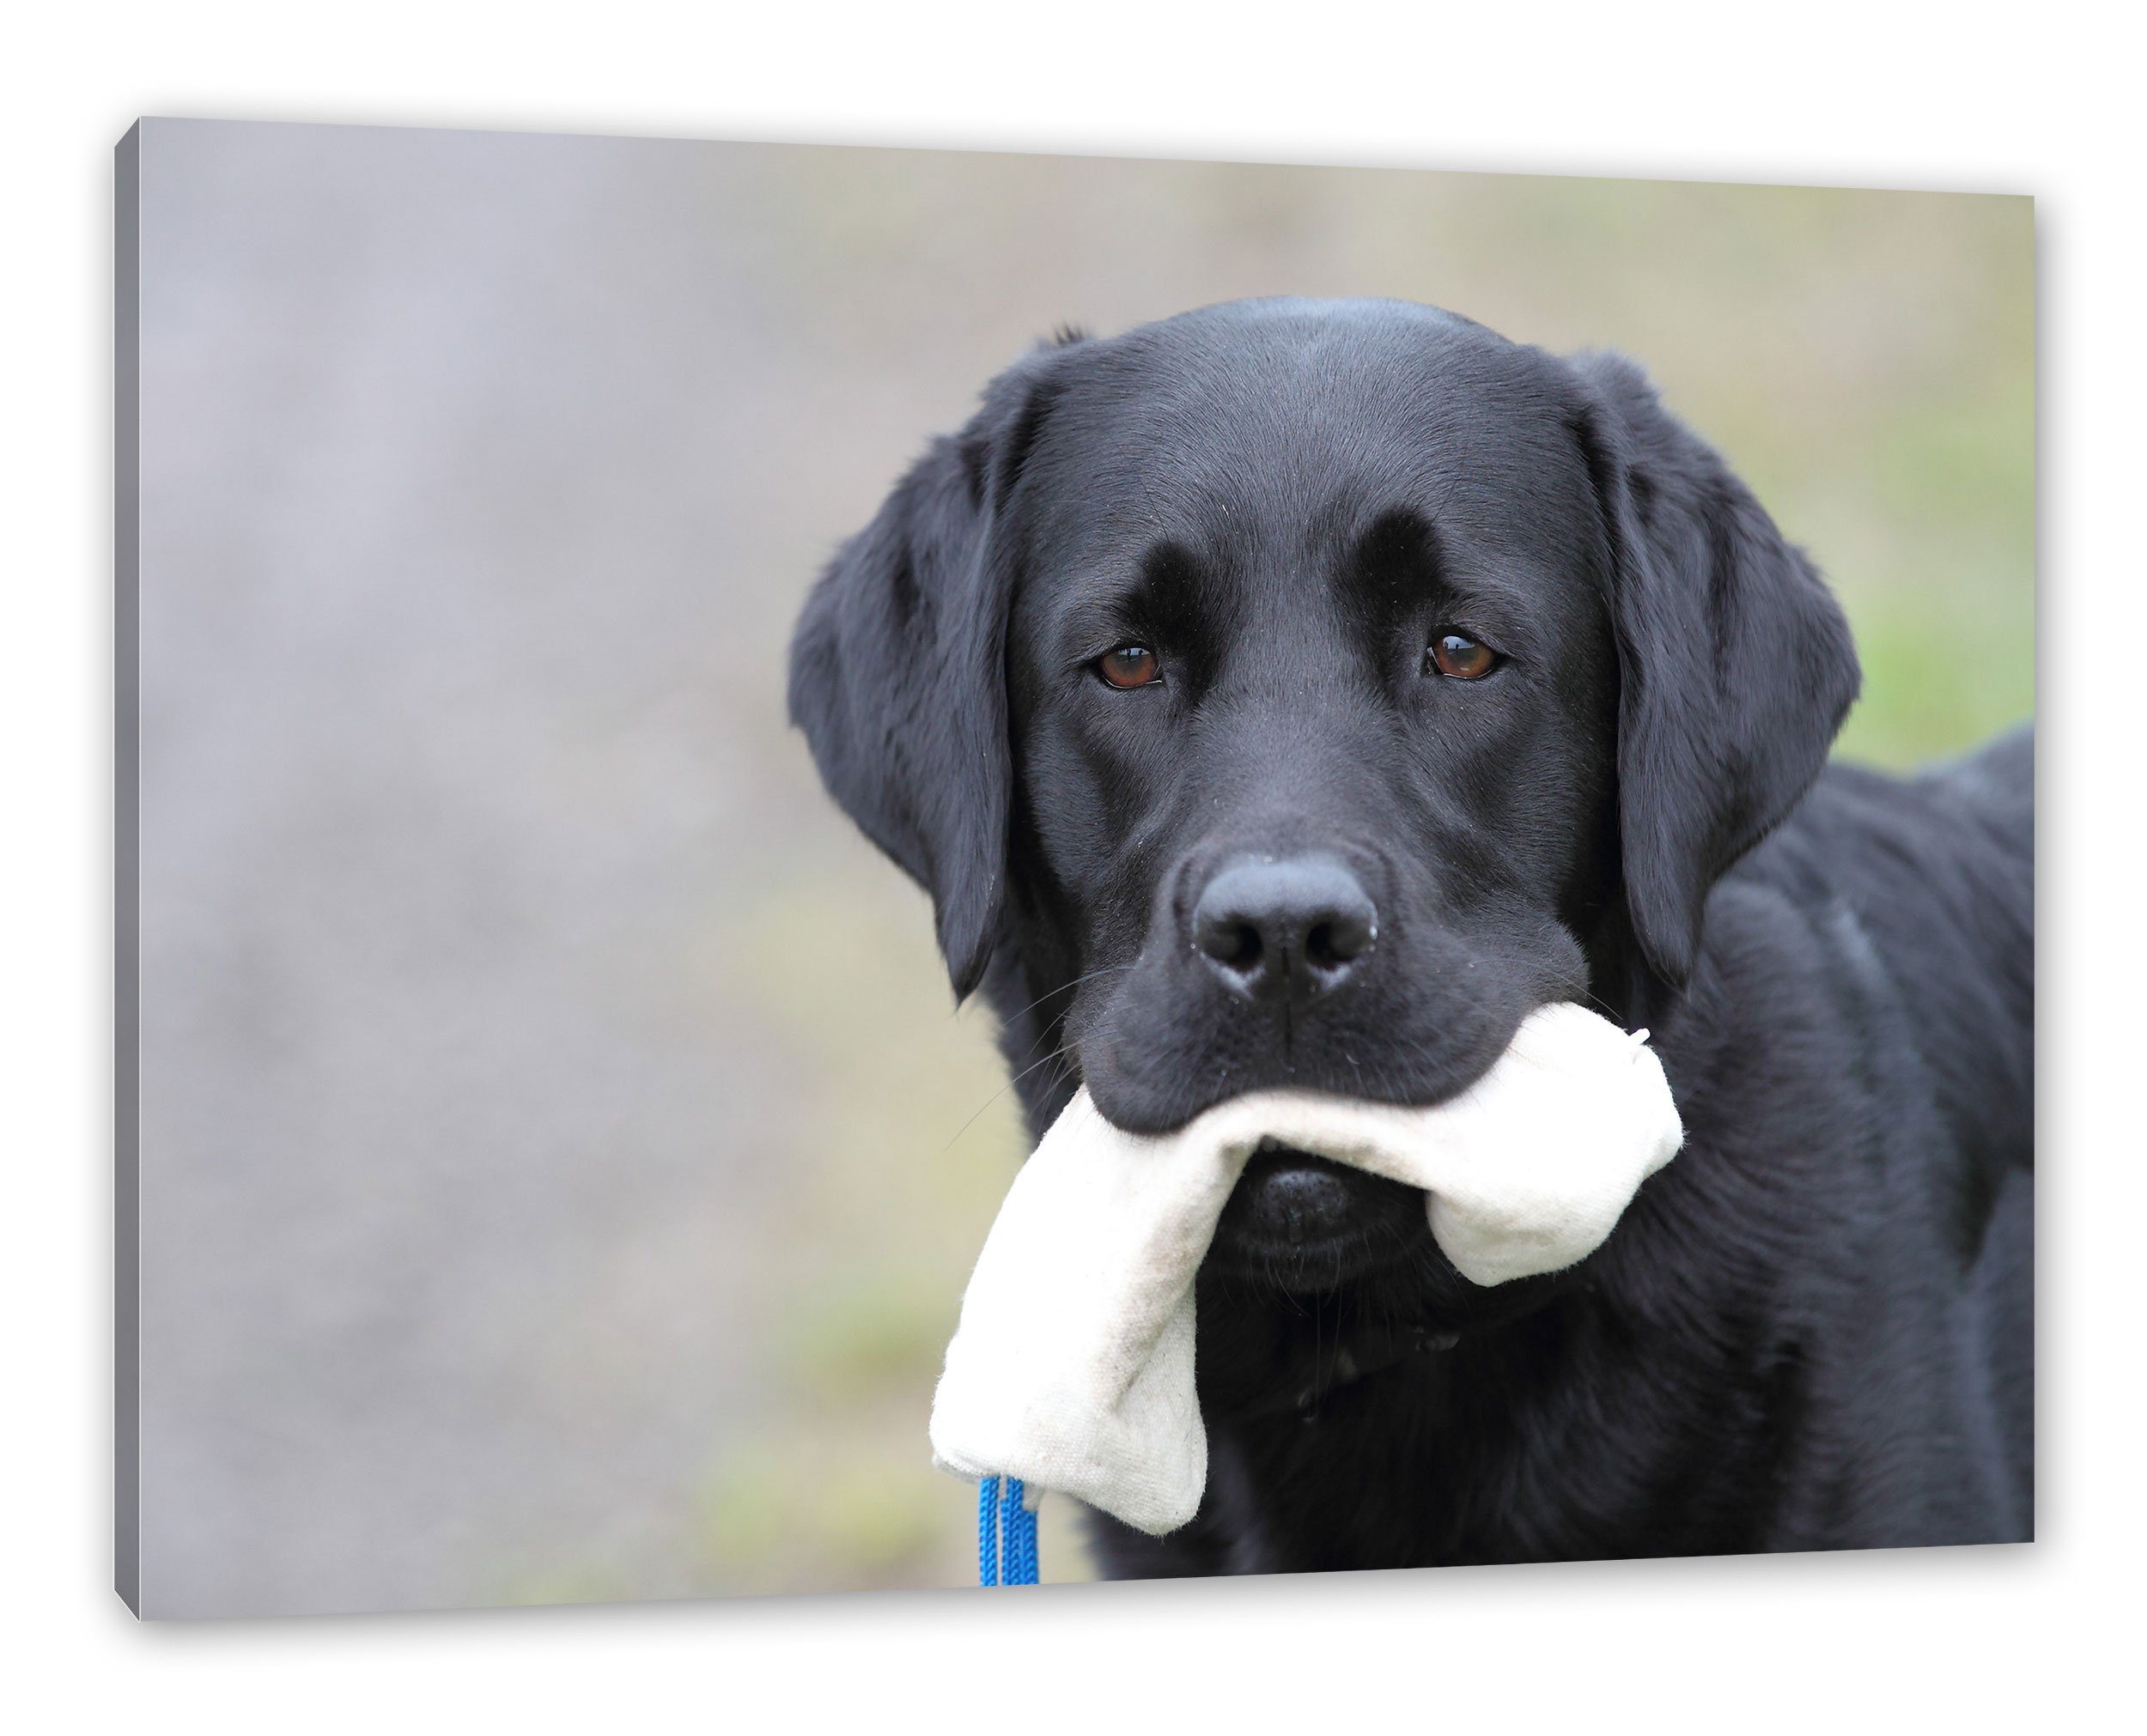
1072,1367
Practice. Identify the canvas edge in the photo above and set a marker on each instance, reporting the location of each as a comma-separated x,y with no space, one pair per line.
125,875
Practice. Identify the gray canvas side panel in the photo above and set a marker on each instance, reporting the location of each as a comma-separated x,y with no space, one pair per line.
125,868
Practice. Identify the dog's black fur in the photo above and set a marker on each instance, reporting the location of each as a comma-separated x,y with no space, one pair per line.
1813,1329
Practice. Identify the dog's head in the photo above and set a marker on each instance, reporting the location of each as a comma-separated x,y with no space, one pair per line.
1300,694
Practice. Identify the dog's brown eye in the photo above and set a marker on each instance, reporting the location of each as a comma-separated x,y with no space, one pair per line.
1463,657
1130,666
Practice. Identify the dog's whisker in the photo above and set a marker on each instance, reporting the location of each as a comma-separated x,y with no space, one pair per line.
1057,1054
1067,988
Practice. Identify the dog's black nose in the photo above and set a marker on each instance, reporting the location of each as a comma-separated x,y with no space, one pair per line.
1287,930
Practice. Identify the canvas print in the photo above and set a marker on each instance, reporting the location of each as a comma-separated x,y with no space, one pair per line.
852,868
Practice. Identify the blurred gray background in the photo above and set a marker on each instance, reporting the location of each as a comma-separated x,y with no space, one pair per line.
560,1159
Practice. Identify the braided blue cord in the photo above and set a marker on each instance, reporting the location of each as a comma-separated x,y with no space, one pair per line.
1009,1533
1005,1533
1018,1533
988,1532
1026,1523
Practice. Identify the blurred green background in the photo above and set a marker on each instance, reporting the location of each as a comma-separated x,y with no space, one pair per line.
561,1158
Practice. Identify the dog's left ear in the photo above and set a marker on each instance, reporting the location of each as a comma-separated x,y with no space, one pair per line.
898,668
1735,665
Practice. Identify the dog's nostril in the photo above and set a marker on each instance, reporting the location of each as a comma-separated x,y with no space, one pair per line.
1348,937
1319,947
1229,942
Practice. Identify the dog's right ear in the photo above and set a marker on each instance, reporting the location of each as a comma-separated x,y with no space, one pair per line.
1734,662
897,669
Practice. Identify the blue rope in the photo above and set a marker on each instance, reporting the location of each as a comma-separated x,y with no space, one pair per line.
1024,1534
1006,1534
1018,1538
988,1532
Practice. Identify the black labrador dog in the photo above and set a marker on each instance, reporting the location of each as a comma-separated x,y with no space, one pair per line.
1301,692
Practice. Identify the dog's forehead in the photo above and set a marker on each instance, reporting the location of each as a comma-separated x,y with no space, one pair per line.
1305,424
